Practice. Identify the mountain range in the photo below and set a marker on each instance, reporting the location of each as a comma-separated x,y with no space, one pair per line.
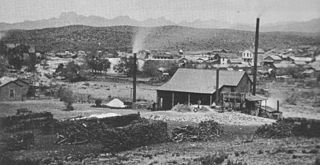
72,18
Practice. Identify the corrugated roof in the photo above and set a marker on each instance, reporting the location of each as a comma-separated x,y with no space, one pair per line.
201,80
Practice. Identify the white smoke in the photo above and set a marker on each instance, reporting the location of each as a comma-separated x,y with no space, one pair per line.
139,39
2,34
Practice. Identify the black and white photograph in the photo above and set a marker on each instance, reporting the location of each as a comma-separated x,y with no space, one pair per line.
159,82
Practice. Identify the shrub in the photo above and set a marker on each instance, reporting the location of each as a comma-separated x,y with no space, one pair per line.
292,99
66,96
98,102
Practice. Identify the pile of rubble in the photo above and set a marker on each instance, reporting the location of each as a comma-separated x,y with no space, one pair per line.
181,108
26,120
290,127
116,133
205,131
227,118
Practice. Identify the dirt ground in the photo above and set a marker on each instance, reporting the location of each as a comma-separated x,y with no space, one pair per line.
302,108
238,128
260,151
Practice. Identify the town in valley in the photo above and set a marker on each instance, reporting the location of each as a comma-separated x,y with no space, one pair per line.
78,89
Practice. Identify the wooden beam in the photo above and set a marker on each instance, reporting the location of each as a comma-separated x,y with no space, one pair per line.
172,99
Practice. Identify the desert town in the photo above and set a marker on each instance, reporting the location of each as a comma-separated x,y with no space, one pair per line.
141,105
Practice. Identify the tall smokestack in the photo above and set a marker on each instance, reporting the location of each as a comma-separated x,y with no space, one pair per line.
256,45
134,93
217,86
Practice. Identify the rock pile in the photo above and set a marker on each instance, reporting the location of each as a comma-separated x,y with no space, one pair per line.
206,130
290,127
181,108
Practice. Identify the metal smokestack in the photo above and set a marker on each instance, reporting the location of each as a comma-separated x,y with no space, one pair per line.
256,45
134,74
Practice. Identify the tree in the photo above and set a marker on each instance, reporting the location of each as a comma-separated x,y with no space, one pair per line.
97,63
66,95
73,72
125,66
15,56
31,62
3,65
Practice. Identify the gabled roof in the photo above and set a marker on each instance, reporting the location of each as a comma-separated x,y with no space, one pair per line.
274,57
6,80
201,80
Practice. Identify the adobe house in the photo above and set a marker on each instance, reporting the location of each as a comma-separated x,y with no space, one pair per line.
13,89
188,86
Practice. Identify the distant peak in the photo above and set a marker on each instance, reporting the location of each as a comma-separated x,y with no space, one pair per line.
68,14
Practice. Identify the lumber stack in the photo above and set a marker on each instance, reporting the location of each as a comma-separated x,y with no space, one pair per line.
135,135
25,121
205,131
115,133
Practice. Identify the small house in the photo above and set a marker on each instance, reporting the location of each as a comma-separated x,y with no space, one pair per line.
13,89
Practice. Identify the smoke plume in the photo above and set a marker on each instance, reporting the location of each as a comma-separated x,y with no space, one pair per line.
139,39
2,35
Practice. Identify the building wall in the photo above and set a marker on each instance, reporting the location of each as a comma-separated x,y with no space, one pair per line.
244,85
19,92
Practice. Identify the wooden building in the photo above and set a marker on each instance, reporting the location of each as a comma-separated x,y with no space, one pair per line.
12,89
194,86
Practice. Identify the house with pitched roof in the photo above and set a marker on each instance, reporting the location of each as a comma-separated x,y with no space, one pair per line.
13,89
189,86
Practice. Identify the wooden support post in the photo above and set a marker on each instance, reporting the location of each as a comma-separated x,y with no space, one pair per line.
217,86
188,98
210,100
172,99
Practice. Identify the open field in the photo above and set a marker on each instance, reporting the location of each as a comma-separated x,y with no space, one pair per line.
103,89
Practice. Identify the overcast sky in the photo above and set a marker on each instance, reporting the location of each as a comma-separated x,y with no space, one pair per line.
235,11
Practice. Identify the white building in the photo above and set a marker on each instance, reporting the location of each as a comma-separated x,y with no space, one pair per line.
248,55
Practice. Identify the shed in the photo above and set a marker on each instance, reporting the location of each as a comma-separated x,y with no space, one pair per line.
189,86
13,89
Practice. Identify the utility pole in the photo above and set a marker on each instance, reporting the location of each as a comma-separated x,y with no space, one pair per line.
256,45
134,92
217,86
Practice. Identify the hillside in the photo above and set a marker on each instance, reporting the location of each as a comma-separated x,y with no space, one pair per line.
80,37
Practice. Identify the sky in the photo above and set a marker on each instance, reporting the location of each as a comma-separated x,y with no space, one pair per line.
234,11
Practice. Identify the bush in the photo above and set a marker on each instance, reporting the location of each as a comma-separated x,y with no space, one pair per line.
98,102
292,99
66,95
